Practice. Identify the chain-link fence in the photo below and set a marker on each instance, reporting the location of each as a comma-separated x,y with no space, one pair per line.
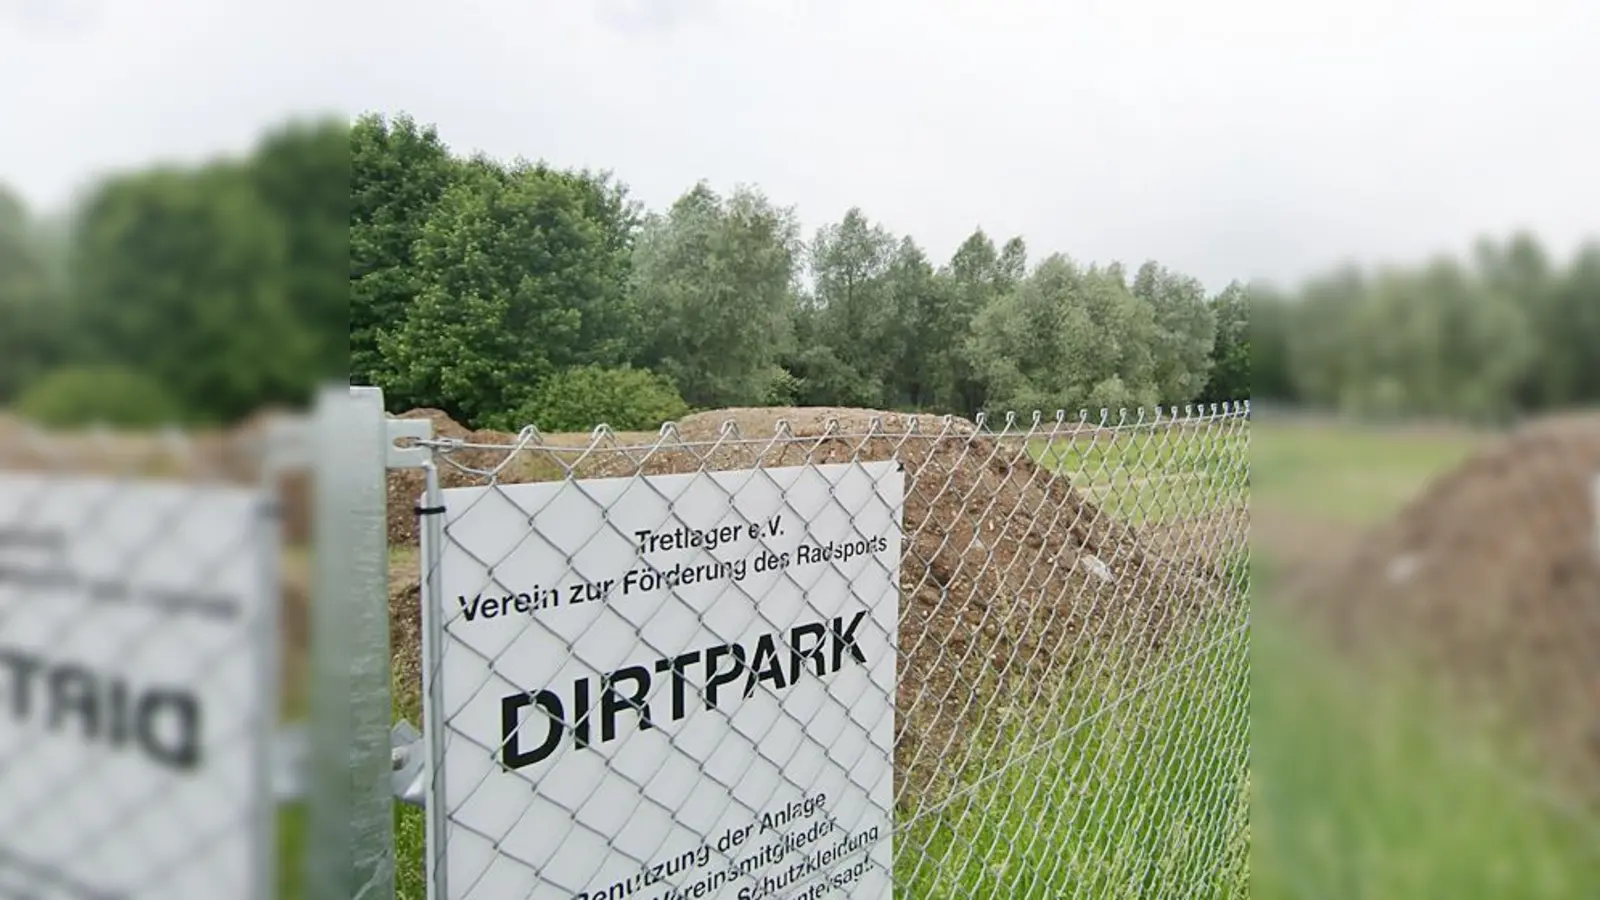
810,653
763,653
140,675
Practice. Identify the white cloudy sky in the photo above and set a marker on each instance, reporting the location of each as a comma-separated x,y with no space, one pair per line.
1225,138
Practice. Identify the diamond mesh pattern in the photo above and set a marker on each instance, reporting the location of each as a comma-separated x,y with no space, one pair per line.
137,670
1068,681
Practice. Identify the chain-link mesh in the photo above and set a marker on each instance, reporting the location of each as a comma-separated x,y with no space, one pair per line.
1065,663
138,669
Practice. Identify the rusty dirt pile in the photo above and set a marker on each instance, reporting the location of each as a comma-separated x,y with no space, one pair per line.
1492,578
1010,576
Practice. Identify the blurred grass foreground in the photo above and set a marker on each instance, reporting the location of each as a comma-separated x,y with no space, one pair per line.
1396,749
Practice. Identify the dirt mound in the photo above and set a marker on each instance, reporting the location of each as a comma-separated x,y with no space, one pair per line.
1492,576
1010,577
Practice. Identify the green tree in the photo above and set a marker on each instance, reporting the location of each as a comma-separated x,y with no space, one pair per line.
1185,331
1434,341
1066,338
614,331
581,398
1320,336
857,311
714,278
1230,352
302,173
508,266
117,397
1012,266
1569,332
399,170
917,296
1269,321
1563,311
32,320
183,275
975,279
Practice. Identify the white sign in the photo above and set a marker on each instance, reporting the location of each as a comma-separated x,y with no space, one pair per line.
134,683
679,686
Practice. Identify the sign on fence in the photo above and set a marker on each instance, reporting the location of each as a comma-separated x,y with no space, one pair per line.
669,686
136,690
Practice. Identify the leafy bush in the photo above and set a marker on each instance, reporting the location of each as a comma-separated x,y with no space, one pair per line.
110,395
578,399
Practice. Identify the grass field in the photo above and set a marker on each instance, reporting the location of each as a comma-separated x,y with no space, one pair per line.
1347,476
1365,785
1145,475
1140,793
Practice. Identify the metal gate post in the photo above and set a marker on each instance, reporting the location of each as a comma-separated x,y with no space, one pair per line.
1595,490
350,835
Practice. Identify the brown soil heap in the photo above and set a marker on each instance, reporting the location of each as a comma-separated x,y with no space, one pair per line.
1009,575
1492,577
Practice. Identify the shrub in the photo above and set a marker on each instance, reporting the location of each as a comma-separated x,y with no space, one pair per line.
579,399
85,395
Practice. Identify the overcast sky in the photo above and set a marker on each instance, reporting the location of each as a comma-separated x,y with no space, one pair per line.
1228,138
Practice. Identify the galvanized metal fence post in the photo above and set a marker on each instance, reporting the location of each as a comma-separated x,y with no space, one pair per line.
1595,491
350,839
432,540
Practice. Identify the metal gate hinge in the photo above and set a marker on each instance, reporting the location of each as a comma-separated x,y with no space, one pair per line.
287,760
289,763
415,456
406,754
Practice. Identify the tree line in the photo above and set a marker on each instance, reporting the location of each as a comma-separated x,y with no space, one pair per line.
181,293
1511,329
510,292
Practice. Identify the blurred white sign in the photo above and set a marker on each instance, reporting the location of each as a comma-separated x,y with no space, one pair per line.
665,687
135,688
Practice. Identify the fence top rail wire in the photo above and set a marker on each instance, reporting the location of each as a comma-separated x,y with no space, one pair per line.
902,427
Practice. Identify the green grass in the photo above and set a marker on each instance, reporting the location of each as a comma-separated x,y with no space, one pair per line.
291,850
1366,782
1149,475
1367,786
1345,475
1134,787
409,825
